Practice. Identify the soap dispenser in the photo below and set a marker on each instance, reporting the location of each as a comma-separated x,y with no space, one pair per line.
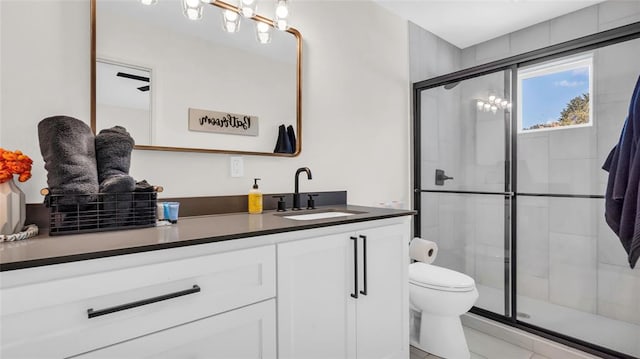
255,198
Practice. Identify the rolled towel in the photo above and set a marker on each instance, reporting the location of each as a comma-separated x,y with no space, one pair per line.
292,138
144,203
113,155
68,149
283,144
423,250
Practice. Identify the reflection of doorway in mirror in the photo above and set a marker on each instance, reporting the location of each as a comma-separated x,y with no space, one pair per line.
123,98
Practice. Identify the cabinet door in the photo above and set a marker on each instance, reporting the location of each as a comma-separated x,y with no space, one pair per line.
249,332
316,313
382,314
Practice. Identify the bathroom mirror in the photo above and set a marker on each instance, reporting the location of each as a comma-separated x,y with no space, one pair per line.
152,67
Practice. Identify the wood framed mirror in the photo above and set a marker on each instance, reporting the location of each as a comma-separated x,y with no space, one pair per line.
152,68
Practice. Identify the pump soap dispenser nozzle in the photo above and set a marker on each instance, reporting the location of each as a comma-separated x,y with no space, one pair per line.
255,198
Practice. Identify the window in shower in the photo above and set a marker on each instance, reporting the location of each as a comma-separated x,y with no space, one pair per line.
556,94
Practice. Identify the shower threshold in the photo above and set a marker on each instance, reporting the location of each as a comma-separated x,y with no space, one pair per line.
606,332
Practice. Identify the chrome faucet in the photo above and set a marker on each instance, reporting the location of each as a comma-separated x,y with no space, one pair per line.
296,193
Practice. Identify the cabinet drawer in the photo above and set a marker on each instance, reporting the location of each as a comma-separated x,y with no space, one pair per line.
244,333
52,318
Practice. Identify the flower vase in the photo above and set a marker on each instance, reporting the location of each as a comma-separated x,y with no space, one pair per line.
12,208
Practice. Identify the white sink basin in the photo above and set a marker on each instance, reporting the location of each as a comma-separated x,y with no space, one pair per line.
318,215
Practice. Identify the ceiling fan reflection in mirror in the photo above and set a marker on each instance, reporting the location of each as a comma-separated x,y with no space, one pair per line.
135,77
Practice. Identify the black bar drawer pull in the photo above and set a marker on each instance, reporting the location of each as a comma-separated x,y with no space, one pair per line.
355,267
96,313
364,263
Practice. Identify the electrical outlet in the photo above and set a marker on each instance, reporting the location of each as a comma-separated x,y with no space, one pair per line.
237,167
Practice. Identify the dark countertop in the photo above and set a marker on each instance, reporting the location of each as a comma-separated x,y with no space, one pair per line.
47,250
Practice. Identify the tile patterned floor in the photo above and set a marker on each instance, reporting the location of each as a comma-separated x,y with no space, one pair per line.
483,346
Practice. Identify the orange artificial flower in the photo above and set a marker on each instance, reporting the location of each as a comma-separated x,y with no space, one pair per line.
14,163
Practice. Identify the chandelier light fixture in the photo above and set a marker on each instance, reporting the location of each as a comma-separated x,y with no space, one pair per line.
493,104
193,10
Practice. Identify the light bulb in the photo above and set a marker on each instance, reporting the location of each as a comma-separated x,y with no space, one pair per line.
492,98
247,12
192,9
281,24
230,21
504,103
282,12
494,109
497,101
263,32
248,7
230,15
194,14
480,105
282,9
486,107
148,2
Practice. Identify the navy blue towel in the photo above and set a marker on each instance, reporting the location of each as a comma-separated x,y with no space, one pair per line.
283,144
622,203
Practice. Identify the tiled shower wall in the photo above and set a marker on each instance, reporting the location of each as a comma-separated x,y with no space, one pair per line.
567,255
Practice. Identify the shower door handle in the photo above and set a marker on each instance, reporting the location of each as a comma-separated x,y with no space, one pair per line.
441,177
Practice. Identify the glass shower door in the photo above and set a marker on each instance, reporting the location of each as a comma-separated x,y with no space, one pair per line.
465,194
573,277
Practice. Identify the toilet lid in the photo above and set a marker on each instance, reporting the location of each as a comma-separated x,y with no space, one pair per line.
430,276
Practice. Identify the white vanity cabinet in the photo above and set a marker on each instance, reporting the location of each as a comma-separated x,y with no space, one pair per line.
319,315
220,299
192,304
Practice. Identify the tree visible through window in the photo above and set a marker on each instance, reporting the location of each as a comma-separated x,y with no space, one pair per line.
555,95
576,112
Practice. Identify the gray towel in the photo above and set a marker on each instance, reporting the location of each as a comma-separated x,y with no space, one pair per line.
113,154
68,149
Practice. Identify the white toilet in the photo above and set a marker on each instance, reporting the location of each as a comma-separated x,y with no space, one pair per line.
438,297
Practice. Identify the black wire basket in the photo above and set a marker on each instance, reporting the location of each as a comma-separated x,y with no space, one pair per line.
82,213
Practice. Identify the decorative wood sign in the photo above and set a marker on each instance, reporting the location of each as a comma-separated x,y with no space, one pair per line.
222,122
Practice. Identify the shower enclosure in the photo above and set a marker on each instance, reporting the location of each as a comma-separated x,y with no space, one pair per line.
512,191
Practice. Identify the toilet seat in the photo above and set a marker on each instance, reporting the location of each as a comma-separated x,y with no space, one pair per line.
434,277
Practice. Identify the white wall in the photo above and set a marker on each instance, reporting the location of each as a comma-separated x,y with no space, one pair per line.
355,102
136,121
